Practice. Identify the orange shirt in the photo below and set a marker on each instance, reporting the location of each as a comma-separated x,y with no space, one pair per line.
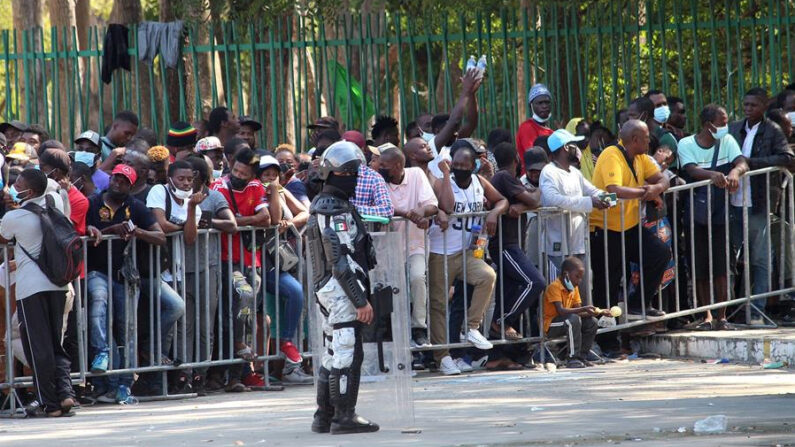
557,293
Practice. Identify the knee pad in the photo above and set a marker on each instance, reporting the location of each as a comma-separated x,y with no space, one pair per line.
343,345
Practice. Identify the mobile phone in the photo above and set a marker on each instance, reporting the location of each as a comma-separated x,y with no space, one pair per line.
303,166
610,199
206,219
129,226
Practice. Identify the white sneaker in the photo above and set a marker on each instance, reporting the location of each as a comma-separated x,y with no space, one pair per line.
480,363
448,367
463,365
476,338
297,377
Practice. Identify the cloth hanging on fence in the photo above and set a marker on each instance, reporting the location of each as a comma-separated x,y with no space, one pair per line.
163,38
115,53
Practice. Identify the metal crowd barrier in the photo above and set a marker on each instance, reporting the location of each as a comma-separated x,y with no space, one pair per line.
531,322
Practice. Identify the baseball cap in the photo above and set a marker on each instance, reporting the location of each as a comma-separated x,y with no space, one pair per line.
560,138
538,90
127,171
89,136
16,124
325,122
208,144
535,159
355,137
246,120
382,148
464,142
267,161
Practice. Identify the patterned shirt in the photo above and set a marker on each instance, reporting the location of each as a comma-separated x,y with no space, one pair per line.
372,196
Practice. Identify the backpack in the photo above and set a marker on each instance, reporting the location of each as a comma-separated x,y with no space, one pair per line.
61,247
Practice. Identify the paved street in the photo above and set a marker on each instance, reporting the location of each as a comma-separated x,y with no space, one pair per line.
640,403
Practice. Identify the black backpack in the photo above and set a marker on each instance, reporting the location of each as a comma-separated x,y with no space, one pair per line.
61,247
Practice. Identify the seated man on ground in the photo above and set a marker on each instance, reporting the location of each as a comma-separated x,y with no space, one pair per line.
564,314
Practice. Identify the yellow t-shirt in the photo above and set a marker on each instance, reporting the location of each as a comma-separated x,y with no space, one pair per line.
612,169
556,292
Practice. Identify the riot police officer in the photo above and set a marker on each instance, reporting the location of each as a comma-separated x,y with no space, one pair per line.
341,254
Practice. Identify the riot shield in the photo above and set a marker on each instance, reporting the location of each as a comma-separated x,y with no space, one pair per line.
386,370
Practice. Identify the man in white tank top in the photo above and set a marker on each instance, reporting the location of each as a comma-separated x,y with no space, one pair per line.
449,243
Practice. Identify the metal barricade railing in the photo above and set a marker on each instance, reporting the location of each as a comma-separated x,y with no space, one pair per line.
212,283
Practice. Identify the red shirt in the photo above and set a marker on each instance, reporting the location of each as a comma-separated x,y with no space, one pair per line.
78,205
249,201
526,136
79,208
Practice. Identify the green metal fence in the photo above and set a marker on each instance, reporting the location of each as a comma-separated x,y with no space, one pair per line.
594,57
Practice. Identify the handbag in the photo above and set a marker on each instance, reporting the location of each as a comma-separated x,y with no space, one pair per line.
288,258
702,197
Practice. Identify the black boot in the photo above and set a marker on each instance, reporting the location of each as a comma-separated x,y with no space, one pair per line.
325,411
345,420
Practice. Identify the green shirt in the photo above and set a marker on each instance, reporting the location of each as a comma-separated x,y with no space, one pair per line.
665,138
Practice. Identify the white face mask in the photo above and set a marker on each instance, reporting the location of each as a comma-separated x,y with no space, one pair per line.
427,136
538,118
217,173
180,194
791,116
720,132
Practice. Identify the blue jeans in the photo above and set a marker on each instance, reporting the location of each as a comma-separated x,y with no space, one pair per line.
172,308
759,252
99,291
292,295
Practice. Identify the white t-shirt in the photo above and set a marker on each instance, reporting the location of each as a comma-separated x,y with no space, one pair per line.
470,200
25,227
568,190
179,215
745,183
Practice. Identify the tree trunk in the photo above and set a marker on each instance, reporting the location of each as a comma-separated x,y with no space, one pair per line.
217,8
27,16
88,71
129,13
173,76
62,17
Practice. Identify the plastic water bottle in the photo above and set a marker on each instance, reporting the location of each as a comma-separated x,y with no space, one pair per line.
481,66
480,245
471,64
475,233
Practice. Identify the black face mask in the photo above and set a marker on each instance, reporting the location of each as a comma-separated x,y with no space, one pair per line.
237,183
346,184
385,174
462,177
117,196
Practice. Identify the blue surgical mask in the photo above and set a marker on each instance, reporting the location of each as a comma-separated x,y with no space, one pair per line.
15,194
477,166
661,114
720,132
217,173
427,136
791,116
569,286
85,157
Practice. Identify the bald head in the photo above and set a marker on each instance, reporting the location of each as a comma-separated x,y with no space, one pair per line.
393,154
417,151
634,135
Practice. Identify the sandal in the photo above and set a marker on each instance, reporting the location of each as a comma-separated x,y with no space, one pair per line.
510,333
575,363
724,325
67,404
705,326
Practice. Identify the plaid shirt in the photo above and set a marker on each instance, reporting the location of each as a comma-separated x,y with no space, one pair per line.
372,196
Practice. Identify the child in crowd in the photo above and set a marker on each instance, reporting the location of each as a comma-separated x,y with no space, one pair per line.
564,313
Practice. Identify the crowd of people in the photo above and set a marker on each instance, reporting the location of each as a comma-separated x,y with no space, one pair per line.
452,193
